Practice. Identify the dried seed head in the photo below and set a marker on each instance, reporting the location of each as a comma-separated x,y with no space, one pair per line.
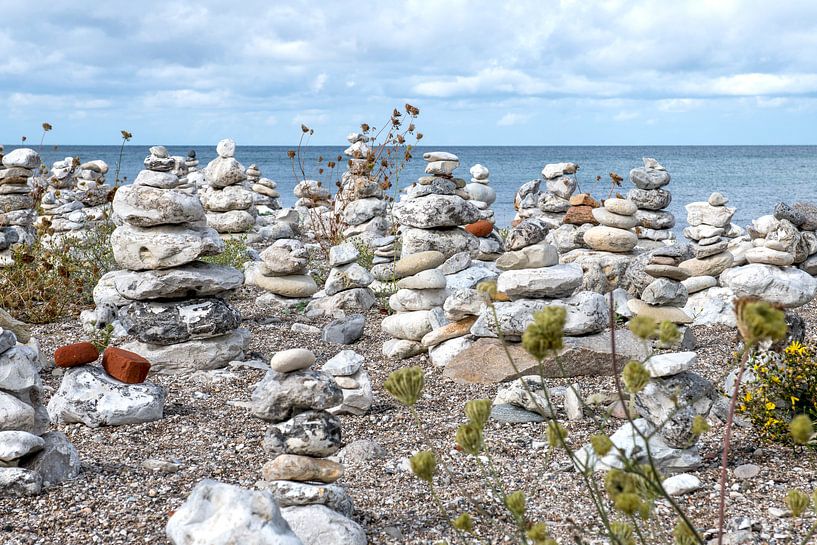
635,376
545,334
424,465
405,385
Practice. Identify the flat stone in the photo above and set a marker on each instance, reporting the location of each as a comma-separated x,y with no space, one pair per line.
407,325
179,321
699,213
663,291
623,207
645,178
317,524
456,263
424,280
291,467
295,286
555,281
195,355
505,412
530,257
769,257
345,330
435,211
417,262
344,363
294,493
146,206
746,471
708,266
788,287
343,254
18,481
610,239
162,247
401,349
695,284
16,444
668,364
293,359
666,271
346,277
196,279
681,484
659,313
279,396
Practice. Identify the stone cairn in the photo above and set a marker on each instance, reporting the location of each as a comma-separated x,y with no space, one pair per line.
31,458
614,233
347,368
433,209
282,273
664,298
75,201
266,193
302,433
483,196
708,221
173,304
112,395
228,203
314,208
652,198
361,202
347,284
17,213
552,204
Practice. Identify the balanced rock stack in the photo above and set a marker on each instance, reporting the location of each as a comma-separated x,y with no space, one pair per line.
282,273
347,284
173,304
115,394
17,214
808,237
311,194
302,433
75,201
265,198
191,162
615,233
31,458
654,222
421,292
433,209
779,243
483,196
560,182
346,367
361,201
665,297
708,221
228,203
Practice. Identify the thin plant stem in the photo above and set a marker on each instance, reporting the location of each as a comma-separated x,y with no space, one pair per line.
810,534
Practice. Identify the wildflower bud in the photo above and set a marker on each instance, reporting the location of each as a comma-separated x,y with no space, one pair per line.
478,411
623,532
556,433
464,523
801,429
635,376
405,385
643,327
627,502
545,334
601,444
683,535
668,333
758,320
699,425
487,287
515,502
424,465
469,438
797,501
538,534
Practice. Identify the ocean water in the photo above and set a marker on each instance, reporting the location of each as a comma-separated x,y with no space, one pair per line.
754,178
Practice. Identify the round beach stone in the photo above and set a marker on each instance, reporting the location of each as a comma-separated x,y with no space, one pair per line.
291,467
707,266
695,284
650,199
623,207
769,256
409,300
293,359
554,170
411,326
481,228
610,219
610,239
717,199
297,285
429,279
414,263
21,158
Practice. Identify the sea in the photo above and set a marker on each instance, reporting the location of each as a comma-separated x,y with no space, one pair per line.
753,178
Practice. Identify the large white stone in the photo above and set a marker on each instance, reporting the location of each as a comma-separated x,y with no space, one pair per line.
163,247
408,325
145,206
789,287
319,525
196,279
200,354
223,514
556,281
435,211
16,444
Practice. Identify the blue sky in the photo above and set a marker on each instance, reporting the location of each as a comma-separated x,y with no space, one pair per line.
482,72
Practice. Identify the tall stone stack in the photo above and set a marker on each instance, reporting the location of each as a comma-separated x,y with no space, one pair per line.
483,196
664,297
361,201
228,203
302,433
434,208
708,221
560,182
265,198
348,369
347,284
191,162
615,230
17,214
75,201
31,457
652,198
282,273
172,303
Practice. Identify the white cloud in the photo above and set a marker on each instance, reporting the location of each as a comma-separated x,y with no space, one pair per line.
511,119
320,81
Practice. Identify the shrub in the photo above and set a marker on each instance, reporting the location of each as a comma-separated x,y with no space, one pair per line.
785,386
235,254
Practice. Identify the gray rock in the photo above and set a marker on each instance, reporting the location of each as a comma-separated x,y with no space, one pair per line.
57,461
21,158
455,263
353,299
19,368
16,415
360,451
663,291
435,211
681,484
525,234
194,355
163,247
279,396
344,330
90,396
788,287
447,241
310,433
146,206
463,303
222,514
556,281
18,481
343,364
745,472
16,444
175,322
561,186
783,211
196,279
809,212
506,412
471,277
699,213
343,254
645,178
669,364
319,525
650,199
291,493
672,402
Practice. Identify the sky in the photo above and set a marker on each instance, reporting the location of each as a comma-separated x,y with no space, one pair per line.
539,72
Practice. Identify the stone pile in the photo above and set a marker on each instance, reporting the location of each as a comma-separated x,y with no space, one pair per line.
191,162
282,273
17,214
708,221
174,305
664,298
229,205
112,395
417,303
31,457
483,196
346,367
808,237
347,284
265,198
433,209
75,201
361,202
652,198
302,433
616,218
552,204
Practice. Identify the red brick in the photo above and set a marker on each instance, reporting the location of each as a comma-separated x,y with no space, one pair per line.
481,228
125,366
72,355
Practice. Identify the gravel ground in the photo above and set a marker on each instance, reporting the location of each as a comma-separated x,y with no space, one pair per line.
116,501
